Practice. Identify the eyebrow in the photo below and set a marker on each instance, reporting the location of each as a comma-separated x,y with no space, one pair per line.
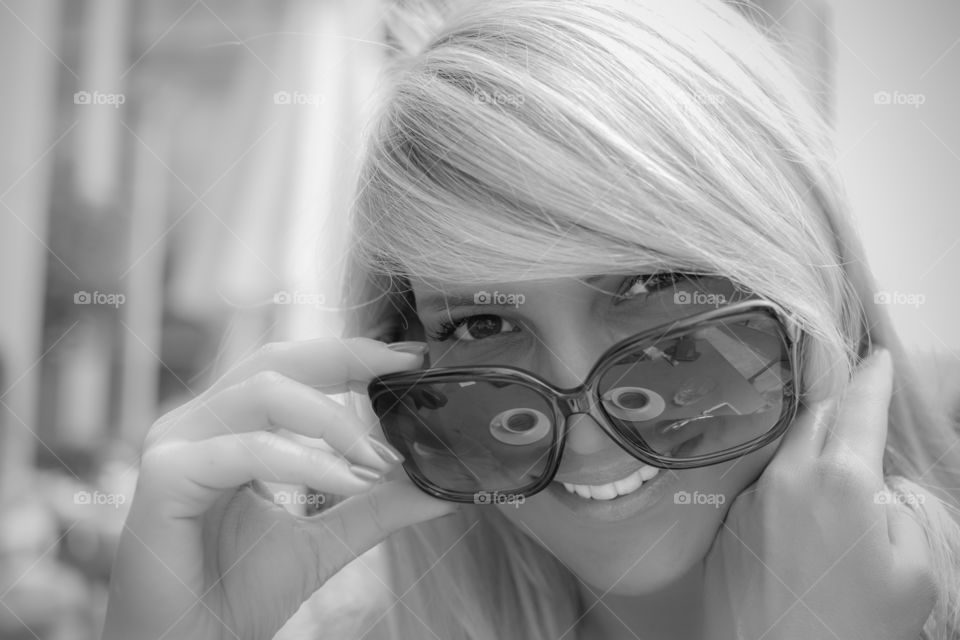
442,302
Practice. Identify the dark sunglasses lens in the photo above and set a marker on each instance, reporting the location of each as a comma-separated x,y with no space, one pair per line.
470,435
717,387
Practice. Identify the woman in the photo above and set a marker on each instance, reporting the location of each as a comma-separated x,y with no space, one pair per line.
545,182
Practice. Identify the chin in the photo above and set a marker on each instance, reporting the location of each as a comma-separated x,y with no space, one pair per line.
654,556
635,557
647,552
653,562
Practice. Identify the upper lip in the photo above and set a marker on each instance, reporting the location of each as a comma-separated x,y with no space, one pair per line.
600,474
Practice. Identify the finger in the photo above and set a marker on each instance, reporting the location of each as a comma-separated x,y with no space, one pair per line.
355,525
328,364
862,418
804,439
209,467
270,400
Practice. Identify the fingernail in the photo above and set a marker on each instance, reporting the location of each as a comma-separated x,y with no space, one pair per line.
385,451
409,346
365,473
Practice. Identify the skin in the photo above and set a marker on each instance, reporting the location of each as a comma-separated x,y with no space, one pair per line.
205,556
789,553
560,331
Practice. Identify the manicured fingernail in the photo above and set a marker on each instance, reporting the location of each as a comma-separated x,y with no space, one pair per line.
385,451
365,473
409,346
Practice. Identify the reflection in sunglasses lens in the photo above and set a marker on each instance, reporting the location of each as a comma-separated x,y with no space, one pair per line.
705,391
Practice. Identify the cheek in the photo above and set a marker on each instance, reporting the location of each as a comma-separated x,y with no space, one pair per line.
653,549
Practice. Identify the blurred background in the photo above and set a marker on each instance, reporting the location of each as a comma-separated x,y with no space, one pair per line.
173,182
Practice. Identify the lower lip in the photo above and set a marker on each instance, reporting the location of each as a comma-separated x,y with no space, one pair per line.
621,507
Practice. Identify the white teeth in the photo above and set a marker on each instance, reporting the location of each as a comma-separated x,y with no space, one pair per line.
648,473
612,490
629,484
603,492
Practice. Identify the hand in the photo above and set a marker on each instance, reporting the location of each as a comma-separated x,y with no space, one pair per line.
202,555
809,551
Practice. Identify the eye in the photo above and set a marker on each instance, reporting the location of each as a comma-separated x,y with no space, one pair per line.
637,286
473,328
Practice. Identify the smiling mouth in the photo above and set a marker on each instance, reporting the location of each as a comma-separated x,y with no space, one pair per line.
628,484
611,490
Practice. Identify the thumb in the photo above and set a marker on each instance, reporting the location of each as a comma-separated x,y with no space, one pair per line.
355,525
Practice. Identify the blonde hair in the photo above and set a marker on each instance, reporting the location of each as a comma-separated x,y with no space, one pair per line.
531,139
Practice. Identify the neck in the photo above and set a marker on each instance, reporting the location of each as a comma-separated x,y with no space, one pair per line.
671,612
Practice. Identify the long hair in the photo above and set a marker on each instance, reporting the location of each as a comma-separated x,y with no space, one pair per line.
530,139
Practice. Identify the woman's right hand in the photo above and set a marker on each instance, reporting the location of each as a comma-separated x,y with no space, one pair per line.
203,554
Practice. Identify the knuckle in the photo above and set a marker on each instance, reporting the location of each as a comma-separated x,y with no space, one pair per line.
844,473
260,382
246,443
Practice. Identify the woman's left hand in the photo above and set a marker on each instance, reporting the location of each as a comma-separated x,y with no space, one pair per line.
816,548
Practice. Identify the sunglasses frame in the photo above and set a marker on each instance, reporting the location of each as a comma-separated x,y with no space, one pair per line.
585,398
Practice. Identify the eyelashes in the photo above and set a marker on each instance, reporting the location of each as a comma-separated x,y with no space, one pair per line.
447,328
647,283
633,288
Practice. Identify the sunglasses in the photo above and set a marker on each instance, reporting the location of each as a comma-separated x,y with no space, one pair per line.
698,391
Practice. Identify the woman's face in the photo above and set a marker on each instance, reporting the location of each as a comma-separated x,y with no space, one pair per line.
637,542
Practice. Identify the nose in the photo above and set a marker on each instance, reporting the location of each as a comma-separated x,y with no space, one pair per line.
584,435
575,344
